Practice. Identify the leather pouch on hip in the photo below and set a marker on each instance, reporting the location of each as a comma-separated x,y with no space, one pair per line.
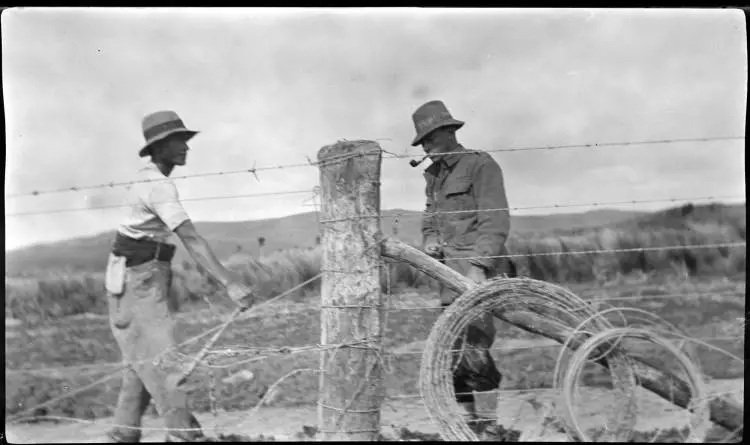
114,280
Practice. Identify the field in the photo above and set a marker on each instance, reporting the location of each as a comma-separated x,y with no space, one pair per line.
709,315
279,234
35,297
57,322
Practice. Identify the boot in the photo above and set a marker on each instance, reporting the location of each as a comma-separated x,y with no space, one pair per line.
197,438
498,433
117,436
470,416
194,434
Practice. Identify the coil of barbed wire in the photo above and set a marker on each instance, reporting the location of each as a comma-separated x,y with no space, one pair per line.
698,406
619,426
544,302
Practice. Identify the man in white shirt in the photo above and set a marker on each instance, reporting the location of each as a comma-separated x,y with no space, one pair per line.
139,278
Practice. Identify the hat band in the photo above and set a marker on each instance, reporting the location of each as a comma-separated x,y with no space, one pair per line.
156,130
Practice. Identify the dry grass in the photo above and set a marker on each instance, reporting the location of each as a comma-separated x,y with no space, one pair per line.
74,343
33,299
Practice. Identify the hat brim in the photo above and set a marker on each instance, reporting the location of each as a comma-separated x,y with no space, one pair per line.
186,134
447,123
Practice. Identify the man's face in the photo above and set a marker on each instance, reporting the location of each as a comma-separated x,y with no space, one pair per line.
437,141
174,150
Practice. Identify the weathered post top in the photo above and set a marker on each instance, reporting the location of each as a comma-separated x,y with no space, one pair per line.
349,166
351,302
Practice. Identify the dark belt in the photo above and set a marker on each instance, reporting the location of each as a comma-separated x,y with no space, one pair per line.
139,251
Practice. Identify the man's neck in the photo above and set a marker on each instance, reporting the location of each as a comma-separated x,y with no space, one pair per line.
453,147
164,168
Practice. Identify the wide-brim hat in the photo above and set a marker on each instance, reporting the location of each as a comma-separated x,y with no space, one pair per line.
431,116
160,125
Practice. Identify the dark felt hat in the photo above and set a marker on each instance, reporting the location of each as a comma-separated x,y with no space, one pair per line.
430,117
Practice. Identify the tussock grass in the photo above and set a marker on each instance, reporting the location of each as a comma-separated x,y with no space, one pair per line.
50,295
54,295
79,344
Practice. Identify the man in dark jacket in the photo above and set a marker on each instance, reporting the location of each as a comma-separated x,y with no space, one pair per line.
466,221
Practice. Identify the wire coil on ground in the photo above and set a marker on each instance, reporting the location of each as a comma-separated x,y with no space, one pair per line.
620,425
545,303
699,408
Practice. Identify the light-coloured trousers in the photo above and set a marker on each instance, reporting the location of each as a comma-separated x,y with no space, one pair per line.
143,325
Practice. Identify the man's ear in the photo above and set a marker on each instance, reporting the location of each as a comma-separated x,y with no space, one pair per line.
155,150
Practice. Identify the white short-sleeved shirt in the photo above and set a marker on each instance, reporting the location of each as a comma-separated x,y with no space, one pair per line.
155,208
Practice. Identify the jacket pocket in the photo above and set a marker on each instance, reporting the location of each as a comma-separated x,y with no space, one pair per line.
458,187
458,197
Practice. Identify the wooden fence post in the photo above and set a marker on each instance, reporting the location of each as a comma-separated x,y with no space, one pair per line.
352,310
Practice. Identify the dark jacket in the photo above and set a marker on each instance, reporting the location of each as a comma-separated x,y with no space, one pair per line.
465,183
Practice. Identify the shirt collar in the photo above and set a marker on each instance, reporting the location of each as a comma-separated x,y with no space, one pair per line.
150,166
451,159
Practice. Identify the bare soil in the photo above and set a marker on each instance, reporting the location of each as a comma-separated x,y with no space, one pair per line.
517,409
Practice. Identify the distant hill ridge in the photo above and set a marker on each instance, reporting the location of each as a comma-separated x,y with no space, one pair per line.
301,230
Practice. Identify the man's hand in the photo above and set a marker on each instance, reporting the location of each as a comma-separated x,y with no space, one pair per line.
477,274
240,293
433,249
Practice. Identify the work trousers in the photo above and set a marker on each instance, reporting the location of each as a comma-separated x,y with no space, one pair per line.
476,369
143,325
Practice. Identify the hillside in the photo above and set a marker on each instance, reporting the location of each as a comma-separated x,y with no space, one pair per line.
681,241
89,253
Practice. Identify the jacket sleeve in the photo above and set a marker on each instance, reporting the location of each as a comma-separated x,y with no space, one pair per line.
429,222
493,226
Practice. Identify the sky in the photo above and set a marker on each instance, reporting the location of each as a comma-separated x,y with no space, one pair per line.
270,87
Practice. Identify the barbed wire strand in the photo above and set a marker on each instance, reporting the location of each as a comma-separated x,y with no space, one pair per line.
595,251
252,170
577,287
416,214
189,199
143,181
592,301
570,146
292,350
295,350
387,155
397,215
563,205
643,292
